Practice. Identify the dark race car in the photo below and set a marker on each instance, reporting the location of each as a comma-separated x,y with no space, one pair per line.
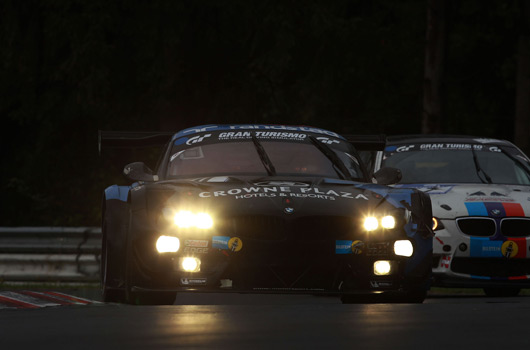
480,191
265,209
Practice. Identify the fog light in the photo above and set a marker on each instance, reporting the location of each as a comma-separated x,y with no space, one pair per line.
382,267
403,248
167,244
190,264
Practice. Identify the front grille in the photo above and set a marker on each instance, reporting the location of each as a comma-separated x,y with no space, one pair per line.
303,229
260,227
483,227
515,227
316,228
491,267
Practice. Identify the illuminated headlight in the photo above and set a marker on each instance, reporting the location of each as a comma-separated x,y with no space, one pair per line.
203,220
388,222
167,244
382,267
371,223
190,264
403,248
187,219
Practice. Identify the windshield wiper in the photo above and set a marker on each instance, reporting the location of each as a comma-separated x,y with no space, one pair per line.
478,168
338,165
264,157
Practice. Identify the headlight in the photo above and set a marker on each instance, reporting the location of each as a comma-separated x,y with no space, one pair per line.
167,244
203,220
388,222
184,219
371,223
403,248
187,219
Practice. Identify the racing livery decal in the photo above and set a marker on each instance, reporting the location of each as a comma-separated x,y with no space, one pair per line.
494,209
479,190
253,208
283,191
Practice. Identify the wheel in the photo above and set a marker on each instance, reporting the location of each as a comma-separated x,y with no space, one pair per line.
109,293
142,298
502,292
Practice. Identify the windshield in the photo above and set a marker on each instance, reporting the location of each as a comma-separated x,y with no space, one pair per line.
242,157
431,164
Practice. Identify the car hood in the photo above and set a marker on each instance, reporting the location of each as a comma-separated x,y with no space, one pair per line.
457,200
266,196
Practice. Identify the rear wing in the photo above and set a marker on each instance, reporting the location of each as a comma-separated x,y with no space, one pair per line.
367,142
132,139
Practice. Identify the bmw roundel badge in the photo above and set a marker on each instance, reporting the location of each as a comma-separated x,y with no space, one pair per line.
495,212
288,210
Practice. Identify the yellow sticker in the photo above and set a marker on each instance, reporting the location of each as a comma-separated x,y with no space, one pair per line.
235,244
509,249
357,247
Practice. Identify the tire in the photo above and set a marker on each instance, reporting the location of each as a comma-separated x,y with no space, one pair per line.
502,292
144,297
108,292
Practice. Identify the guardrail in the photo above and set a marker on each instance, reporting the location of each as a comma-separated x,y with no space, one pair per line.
50,254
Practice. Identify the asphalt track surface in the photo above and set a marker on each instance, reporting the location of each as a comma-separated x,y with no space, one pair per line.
242,321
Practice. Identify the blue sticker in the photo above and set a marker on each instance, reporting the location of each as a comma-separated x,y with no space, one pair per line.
117,192
480,277
476,209
485,248
390,148
180,141
220,242
343,247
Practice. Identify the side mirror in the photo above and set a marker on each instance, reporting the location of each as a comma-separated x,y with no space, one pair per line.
138,171
388,176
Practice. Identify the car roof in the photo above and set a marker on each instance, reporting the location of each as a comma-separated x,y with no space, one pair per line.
434,138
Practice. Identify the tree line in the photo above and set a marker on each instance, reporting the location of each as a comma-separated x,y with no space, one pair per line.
71,68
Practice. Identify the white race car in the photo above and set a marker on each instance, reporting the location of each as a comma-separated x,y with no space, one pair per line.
480,192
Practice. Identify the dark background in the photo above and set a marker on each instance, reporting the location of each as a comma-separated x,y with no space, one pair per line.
70,68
